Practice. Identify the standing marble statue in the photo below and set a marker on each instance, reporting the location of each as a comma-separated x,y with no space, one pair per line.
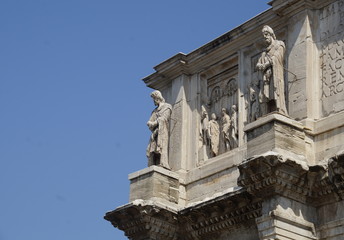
157,150
214,135
233,140
270,65
226,124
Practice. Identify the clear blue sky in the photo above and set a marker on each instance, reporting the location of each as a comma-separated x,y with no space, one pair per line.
73,108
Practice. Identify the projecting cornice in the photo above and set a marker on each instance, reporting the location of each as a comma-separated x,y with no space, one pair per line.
284,7
231,42
210,53
207,220
272,174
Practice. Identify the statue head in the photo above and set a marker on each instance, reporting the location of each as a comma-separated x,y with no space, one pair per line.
224,111
234,108
268,34
204,112
157,97
213,116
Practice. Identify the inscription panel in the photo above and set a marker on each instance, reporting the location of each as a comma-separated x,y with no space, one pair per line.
332,57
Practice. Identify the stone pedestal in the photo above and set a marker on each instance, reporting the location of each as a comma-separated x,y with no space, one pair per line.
154,182
279,225
276,133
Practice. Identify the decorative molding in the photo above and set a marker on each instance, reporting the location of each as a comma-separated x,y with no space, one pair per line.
271,174
145,221
285,7
148,220
261,177
336,174
220,217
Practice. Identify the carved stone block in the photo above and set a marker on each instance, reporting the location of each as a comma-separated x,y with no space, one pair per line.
276,133
279,225
154,182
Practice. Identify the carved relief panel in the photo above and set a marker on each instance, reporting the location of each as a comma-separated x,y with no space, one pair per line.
219,109
222,92
223,101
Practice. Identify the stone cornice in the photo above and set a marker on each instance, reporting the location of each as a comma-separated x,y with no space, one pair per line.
141,219
214,51
336,174
261,177
272,174
316,127
233,210
223,214
291,7
167,71
273,117
244,35
153,169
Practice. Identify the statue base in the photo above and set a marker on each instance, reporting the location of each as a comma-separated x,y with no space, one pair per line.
277,133
154,182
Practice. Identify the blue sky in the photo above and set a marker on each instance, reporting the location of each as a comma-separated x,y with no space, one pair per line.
73,108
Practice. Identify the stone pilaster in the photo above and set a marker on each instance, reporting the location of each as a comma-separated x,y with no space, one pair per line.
179,129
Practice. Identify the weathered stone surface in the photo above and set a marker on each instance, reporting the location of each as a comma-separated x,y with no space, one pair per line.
331,26
250,176
154,182
276,133
278,225
145,220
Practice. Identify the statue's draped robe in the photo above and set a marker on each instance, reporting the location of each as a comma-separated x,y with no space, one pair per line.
234,130
158,143
214,136
226,124
254,104
273,76
204,129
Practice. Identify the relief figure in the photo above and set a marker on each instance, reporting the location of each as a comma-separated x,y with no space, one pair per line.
233,140
226,125
157,150
254,111
214,135
204,126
